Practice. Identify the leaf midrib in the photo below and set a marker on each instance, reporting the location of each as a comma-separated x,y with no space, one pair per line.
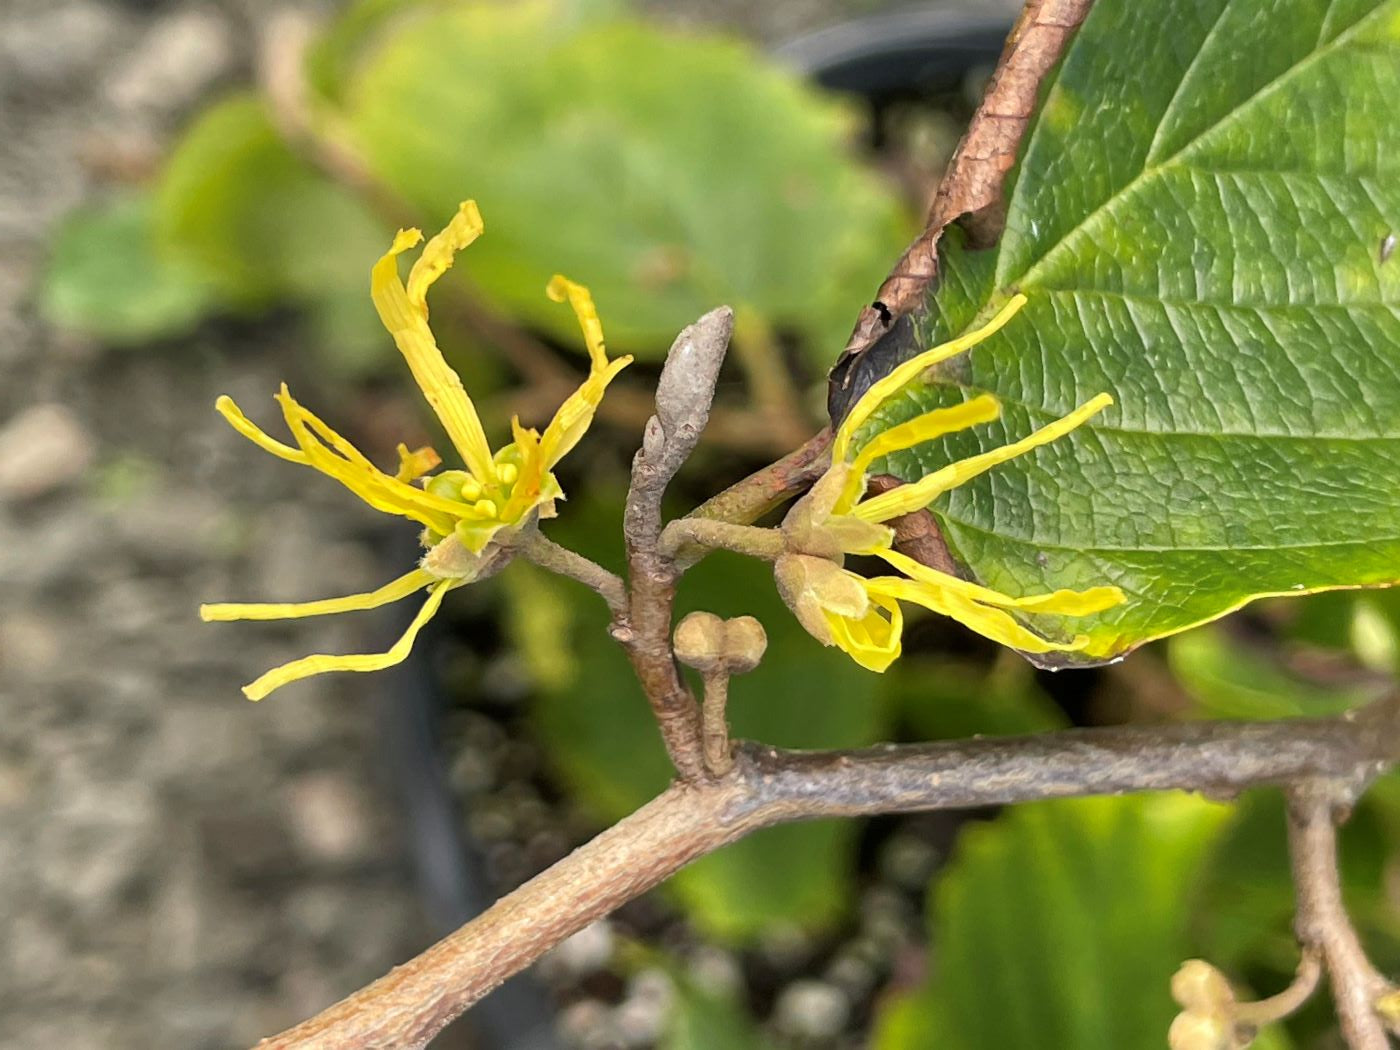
1027,277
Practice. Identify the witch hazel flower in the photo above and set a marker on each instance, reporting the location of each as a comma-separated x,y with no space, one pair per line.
469,514
862,615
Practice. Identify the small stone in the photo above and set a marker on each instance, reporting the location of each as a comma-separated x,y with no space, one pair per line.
42,449
811,1010
643,1012
715,971
908,861
57,47
181,55
852,974
328,817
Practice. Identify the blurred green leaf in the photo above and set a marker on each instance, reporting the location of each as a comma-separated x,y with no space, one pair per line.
267,229
667,172
1365,623
945,699
702,1020
1200,236
106,279
600,734
1059,925
1231,680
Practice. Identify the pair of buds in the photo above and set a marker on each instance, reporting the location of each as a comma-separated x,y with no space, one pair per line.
718,649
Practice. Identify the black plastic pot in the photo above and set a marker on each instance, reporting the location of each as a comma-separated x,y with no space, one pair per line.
894,57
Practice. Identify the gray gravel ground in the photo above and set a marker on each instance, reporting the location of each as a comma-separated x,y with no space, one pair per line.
178,868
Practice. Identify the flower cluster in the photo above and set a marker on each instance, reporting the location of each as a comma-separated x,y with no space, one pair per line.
862,615
466,514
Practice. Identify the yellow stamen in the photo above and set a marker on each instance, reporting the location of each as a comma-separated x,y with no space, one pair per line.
320,664
485,507
413,465
919,494
507,472
405,315
881,391
390,592
471,490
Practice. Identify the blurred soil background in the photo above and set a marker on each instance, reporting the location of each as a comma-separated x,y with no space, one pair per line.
178,868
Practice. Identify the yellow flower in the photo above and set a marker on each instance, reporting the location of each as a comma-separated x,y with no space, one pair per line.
462,511
836,518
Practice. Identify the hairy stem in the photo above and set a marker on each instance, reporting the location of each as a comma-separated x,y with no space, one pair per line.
547,554
699,536
719,760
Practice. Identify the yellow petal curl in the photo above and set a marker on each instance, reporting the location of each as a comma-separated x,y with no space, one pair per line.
873,640
881,391
576,413
1062,602
919,494
404,312
390,592
321,664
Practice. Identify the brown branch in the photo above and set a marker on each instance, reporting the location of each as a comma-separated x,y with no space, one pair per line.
767,786
683,397
972,186
1322,921
769,488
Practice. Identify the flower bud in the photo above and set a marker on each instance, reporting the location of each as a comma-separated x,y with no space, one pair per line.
1193,1031
1199,986
712,645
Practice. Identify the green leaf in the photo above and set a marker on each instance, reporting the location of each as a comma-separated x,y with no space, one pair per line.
267,229
1059,925
1197,220
669,173
599,733
1230,680
105,278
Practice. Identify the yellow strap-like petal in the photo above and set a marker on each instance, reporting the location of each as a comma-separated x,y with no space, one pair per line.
881,391
1061,602
991,623
560,288
245,426
981,409
441,250
407,322
575,415
919,494
346,464
320,664
390,592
